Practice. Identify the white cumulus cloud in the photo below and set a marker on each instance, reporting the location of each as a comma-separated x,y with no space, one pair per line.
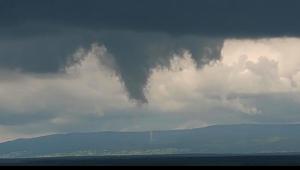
89,87
255,81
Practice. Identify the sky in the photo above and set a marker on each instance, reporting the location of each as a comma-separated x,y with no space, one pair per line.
138,65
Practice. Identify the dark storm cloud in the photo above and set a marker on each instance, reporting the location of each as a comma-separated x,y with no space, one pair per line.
134,53
40,36
205,17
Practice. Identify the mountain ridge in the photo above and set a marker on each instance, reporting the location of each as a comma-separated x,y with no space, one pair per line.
219,139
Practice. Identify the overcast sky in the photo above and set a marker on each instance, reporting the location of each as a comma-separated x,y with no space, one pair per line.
137,65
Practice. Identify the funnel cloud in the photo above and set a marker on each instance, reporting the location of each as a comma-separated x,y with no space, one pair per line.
135,65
